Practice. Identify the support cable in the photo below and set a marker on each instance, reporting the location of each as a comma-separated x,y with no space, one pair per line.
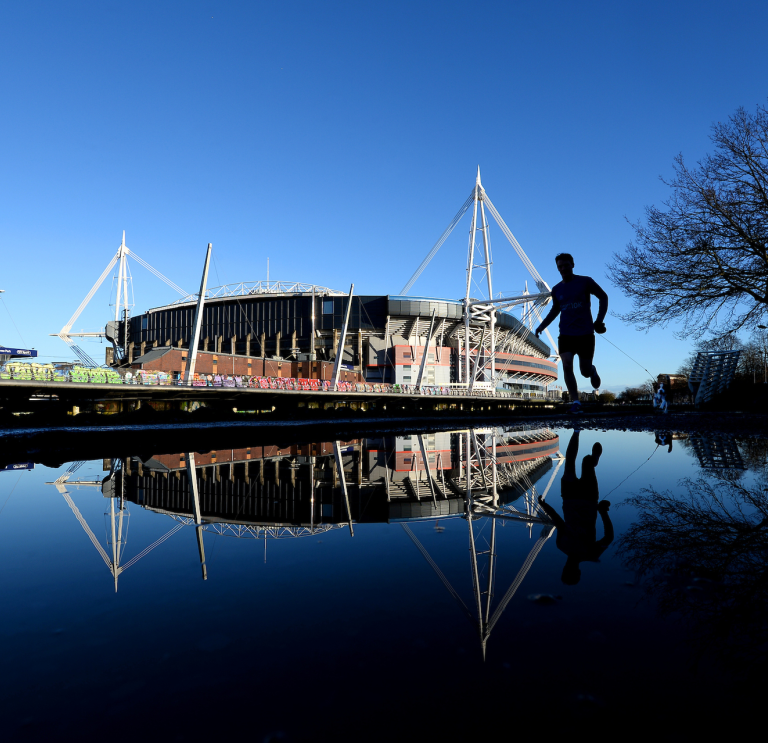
157,273
152,546
515,244
65,330
438,244
13,321
633,471
437,570
87,529
546,533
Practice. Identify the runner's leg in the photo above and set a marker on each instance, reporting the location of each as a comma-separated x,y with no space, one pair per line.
571,452
587,368
570,378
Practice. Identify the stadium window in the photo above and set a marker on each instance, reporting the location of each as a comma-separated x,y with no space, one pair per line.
143,322
327,306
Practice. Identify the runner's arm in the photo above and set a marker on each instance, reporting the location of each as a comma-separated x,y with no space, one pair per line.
553,313
602,544
557,519
597,291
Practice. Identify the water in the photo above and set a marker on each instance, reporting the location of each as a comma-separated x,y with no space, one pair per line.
270,619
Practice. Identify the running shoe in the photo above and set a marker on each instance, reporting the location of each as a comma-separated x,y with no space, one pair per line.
595,379
575,408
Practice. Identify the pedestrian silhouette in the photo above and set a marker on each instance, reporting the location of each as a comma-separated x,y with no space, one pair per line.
664,438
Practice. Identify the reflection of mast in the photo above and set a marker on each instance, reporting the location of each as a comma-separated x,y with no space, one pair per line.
343,481
116,529
425,460
482,477
192,478
117,526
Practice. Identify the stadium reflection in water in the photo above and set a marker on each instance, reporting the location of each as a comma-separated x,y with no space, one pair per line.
369,584
268,492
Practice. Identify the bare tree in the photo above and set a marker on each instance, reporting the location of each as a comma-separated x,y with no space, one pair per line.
649,387
703,258
753,363
687,366
633,394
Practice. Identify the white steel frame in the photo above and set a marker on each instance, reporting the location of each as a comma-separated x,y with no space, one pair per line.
483,476
121,301
479,317
248,288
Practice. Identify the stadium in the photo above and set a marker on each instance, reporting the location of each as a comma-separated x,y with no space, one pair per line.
294,330
279,329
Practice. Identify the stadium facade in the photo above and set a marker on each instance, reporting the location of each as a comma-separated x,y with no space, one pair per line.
293,330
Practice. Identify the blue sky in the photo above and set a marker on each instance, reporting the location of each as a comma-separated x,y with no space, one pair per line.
340,138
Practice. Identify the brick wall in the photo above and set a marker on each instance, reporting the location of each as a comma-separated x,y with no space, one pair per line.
178,461
221,363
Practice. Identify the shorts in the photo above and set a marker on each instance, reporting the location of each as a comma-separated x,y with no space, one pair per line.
583,345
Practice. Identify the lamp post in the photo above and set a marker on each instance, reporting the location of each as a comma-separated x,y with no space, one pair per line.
765,356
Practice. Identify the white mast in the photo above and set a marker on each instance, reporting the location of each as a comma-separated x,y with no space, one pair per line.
197,324
342,339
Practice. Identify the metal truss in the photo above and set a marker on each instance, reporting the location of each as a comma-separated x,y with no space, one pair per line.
122,303
117,524
484,476
712,372
481,336
717,451
250,288
256,531
479,345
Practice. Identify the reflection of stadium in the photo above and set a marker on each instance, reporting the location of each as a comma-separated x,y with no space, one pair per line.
267,491
270,492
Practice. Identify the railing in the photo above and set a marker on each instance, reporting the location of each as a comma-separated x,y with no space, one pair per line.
162,379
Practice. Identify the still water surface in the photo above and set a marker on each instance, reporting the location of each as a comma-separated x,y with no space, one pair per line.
339,590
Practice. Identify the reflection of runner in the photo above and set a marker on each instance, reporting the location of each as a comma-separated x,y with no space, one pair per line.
664,438
571,300
577,528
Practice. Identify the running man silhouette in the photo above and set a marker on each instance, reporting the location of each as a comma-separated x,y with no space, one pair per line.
577,528
571,300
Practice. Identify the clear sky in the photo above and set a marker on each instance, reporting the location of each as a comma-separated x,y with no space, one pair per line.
340,138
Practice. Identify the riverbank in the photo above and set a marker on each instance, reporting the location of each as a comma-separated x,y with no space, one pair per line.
55,446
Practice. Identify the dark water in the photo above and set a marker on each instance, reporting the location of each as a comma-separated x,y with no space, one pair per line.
311,605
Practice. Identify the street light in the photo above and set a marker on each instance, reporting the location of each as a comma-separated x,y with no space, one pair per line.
765,357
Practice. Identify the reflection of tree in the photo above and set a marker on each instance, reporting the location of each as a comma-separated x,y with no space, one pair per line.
754,452
703,555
